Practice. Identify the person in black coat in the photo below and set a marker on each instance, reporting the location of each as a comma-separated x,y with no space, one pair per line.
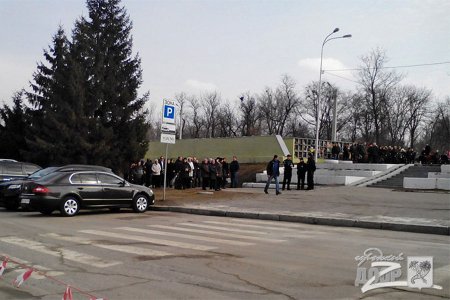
301,172
204,170
288,165
212,174
234,171
310,168
178,166
225,172
148,172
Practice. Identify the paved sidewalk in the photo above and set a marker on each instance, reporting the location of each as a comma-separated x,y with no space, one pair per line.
374,208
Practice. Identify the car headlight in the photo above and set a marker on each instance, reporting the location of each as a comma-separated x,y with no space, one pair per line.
14,187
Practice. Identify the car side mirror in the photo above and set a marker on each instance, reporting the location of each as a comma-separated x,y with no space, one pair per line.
123,183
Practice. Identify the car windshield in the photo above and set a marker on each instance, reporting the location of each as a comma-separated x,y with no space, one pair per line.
42,173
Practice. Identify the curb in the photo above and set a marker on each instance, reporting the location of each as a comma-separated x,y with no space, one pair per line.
328,221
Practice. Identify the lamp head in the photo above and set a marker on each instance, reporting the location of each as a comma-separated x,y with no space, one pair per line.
335,30
347,36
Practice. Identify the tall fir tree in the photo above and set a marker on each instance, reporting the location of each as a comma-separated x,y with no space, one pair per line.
53,137
102,46
14,122
85,103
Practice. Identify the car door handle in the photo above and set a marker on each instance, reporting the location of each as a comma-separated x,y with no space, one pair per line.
80,188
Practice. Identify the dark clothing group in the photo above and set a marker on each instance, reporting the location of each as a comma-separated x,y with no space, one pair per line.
303,170
211,173
185,173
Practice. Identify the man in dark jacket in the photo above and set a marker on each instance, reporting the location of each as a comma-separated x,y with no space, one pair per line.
273,172
310,168
301,172
179,166
219,174
234,171
288,165
212,174
225,171
204,170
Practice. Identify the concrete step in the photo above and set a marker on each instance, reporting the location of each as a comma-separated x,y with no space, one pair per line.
414,172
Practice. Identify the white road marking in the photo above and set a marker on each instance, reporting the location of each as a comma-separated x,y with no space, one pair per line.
288,225
266,227
75,239
22,264
65,254
186,236
239,236
223,228
266,222
114,247
149,240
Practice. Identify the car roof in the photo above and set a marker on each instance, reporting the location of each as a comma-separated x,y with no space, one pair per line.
75,167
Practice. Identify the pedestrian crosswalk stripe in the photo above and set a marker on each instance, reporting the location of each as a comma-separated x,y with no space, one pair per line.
69,238
18,268
225,234
224,228
149,240
65,254
268,222
187,236
114,247
266,227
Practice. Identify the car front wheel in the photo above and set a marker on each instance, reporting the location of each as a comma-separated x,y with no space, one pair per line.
140,203
69,206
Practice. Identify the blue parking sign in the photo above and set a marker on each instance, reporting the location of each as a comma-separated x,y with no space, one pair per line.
169,111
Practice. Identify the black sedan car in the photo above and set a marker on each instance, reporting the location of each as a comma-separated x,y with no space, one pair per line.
12,170
10,190
69,192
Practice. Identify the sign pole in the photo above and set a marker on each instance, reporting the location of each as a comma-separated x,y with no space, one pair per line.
168,130
165,173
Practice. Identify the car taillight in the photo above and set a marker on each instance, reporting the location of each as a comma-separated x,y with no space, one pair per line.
41,190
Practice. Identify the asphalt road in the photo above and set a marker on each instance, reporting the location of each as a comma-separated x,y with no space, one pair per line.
162,255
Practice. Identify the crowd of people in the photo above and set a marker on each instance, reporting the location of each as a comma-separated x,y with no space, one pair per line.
186,172
217,173
372,153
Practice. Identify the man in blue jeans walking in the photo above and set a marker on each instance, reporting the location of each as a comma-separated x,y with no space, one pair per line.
273,172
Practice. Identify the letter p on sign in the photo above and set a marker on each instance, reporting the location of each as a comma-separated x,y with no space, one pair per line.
169,114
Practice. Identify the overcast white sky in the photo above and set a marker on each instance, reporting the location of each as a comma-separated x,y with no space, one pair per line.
238,46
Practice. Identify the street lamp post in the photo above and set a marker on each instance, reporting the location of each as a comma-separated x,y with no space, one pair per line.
327,39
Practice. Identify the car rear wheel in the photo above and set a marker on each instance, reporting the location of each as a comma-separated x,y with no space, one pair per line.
140,203
69,206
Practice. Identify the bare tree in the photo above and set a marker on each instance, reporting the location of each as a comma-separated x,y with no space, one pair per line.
438,127
154,121
376,84
210,105
181,99
345,113
197,119
396,116
227,122
309,107
417,107
249,114
267,108
287,100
